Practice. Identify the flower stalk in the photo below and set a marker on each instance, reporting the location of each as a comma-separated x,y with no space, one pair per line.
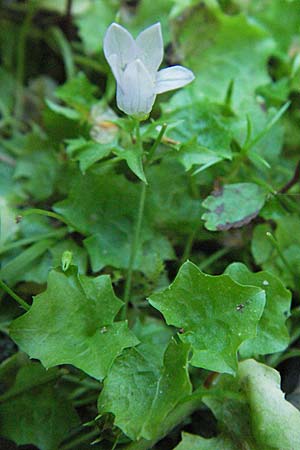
137,232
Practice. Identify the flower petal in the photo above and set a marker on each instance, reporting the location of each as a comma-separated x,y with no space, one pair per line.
118,41
114,63
135,94
150,47
172,78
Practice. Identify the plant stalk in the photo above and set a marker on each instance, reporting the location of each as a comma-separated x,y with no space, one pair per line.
134,246
13,295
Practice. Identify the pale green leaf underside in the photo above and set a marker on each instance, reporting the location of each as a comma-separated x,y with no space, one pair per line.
275,422
223,213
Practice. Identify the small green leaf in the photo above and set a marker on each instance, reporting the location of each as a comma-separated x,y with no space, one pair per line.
93,22
65,111
272,334
110,229
72,322
212,57
201,127
169,193
223,213
141,391
134,158
37,168
215,313
78,92
193,155
87,152
280,17
34,411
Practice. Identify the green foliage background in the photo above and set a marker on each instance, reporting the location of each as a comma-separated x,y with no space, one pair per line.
193,361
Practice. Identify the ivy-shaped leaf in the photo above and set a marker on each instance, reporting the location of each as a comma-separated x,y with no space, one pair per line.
213,55
72,322
110,228
141,391
214,313
87,152
272,334
33,411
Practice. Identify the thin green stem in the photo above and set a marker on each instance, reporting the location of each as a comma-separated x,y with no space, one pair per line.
281,255
89,63
18,111
136,235
78,392
156,143
116,441
189,243
268,127
86,400
44,212
193,233
26,241
13,295
75,444
134,246
137,232
85,382
65,50
213,258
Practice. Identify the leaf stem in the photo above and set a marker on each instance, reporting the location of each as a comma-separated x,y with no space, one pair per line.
134,246
75,444
213,258
44,212
85,61
84,382
13,295
267,128
26,241
156,143
189,243
141,207
65,50
281,255
86,400
136,235
18,110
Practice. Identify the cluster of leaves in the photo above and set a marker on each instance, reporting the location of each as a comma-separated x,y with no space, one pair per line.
190,363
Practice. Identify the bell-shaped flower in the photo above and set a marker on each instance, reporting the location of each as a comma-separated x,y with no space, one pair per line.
135,63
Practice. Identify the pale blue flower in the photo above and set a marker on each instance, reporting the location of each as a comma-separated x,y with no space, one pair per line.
135,63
